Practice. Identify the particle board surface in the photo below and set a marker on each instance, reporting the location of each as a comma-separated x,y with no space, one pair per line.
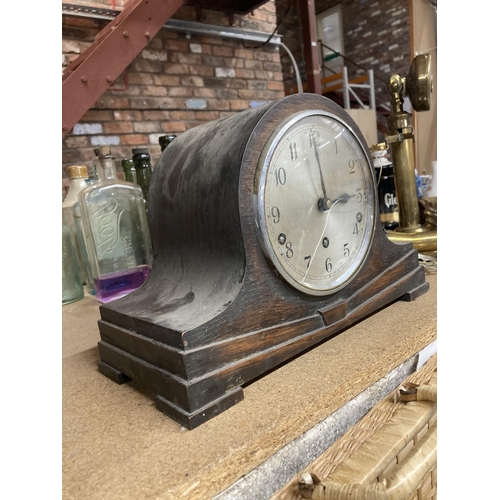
117,445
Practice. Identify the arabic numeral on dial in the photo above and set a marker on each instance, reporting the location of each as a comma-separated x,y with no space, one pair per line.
289,250
293,151
347,252
355,230
351,166
308,259
361,195
313,137
275,212
328,265
280,174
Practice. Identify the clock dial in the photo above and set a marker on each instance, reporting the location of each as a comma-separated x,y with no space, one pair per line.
316,202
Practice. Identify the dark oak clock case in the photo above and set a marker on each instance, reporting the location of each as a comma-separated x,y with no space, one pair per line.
214,314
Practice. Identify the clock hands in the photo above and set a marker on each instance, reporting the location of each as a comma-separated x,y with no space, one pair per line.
343,198
324,203
319,166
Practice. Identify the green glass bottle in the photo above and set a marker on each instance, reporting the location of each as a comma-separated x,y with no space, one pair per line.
165,140
129,170
142,162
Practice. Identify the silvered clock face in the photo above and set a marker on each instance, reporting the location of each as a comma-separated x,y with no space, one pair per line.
315,205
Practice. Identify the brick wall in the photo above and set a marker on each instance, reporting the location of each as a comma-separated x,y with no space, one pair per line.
176,83
376,36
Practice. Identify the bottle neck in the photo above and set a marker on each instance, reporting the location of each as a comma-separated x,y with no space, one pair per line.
142,163
108,168
75,186
96,169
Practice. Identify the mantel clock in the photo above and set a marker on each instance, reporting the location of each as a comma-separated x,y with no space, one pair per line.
266,242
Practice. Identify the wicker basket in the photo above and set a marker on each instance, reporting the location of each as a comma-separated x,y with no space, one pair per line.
389,454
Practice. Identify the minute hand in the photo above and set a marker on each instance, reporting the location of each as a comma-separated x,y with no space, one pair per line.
323,186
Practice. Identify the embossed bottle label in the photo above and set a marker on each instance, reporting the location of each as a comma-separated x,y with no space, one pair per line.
128,248
106,226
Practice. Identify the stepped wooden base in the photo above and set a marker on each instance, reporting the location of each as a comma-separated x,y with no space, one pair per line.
192,401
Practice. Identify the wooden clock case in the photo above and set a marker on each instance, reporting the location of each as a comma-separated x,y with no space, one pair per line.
214,314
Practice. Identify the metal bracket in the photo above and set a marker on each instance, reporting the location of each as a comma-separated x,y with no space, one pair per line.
114,48
401,136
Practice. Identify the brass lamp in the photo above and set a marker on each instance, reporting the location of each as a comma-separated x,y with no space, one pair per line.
417,85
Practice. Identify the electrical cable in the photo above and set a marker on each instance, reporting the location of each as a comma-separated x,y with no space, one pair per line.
300,89
273,33
294,63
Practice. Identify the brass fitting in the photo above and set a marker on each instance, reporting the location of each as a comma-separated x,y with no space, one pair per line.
401,139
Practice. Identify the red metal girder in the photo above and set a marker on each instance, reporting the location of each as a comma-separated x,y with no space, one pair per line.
113,49
310,40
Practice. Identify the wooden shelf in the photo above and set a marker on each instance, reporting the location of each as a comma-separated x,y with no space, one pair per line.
117,445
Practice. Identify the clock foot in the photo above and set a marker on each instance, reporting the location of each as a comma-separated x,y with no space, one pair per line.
114,375
416,292
181,400
198,417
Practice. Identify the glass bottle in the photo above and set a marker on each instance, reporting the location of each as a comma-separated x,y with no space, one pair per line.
72,286
80,235
142,162
165,140
78,175
96,173
116,232
384,173
129,170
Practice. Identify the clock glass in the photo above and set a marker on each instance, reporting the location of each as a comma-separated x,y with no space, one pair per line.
315,202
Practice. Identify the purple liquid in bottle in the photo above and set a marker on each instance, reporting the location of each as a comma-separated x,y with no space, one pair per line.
116,285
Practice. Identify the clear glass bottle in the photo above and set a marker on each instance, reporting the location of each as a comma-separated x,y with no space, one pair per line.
80,236
116,232
78,175
72,286
129,170
142,162
96,169
165,140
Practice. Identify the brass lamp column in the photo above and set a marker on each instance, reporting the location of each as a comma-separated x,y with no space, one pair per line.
401,139
418,86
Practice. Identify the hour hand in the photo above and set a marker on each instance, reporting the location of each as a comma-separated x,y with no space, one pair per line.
343,198
326,204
